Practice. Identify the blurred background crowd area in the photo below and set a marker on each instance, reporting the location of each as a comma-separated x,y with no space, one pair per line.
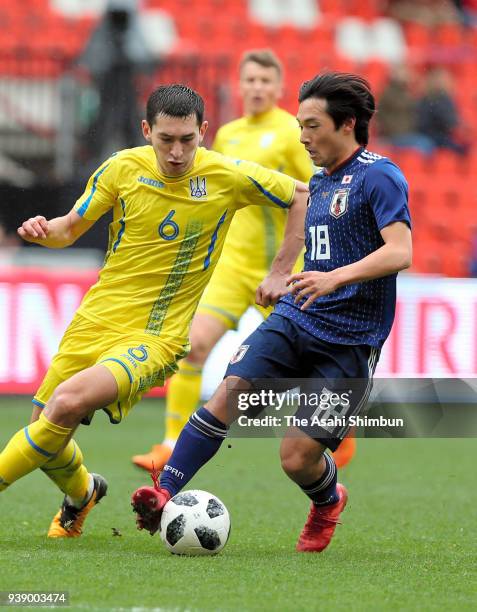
74,76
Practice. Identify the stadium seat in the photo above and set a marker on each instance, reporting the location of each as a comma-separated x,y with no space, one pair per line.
224,28
446,162
368,11
456,262
449,35
469,164
417,35
377,73
331,8
431,260
411,161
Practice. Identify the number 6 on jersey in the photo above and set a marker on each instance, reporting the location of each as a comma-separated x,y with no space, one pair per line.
168,229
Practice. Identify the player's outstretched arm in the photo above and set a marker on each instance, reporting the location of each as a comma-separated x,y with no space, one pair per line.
274,285
393,256
56,233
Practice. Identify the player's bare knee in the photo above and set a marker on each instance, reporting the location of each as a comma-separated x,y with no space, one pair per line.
65,406
293,463
200,350
296,458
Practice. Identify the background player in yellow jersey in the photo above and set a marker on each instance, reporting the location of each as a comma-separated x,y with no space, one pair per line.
270,136
172,204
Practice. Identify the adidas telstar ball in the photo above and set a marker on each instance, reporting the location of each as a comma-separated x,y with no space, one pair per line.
195,523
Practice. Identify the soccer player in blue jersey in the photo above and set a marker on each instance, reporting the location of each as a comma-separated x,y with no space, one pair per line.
335,318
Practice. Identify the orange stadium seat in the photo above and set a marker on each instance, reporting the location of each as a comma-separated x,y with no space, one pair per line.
470,37
366,10
470,163
449,35
446,162
456,261
319,38
417,35
443,212
331,8
411,161
429,259
32,25
422,245
377,73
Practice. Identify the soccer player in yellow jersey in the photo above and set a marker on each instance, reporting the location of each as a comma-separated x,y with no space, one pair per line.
172,204
270,136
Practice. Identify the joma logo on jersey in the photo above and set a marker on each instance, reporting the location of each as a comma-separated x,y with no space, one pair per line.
198,187
151,182
339,203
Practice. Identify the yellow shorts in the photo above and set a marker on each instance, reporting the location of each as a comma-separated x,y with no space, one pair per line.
231,291
137,361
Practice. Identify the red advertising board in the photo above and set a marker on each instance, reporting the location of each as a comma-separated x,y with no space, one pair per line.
36,306
435,330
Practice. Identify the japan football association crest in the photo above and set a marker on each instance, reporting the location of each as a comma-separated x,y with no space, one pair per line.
239,353
339,203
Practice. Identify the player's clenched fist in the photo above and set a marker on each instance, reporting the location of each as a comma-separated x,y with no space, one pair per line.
271,289
35,228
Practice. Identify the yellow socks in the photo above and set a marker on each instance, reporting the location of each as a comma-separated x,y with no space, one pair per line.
67,471
30,448
183,395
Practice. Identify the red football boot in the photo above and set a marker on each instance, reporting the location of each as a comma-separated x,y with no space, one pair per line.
148,503
321,524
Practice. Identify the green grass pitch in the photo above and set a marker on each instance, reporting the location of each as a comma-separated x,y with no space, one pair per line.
407,541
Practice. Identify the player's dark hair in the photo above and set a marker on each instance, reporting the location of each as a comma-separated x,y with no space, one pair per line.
263,57
175,101
347,96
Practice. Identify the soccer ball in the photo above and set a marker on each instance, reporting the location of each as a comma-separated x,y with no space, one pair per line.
195,523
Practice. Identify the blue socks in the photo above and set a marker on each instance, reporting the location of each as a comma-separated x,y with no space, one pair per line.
198,442
202,437
323,491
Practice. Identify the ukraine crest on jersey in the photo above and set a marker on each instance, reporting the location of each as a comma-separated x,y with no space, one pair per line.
167,234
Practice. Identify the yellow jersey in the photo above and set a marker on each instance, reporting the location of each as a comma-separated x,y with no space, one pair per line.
167,234
271,139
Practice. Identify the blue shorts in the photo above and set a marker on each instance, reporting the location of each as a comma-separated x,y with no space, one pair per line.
281,349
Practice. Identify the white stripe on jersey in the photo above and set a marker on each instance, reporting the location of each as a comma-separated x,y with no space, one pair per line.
366,157
367,153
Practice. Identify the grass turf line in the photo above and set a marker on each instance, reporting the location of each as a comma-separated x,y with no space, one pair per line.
407,541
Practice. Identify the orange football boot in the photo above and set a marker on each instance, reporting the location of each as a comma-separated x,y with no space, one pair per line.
345,451
156,459
68,521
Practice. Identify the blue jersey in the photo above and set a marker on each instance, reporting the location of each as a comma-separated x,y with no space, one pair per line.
346,211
